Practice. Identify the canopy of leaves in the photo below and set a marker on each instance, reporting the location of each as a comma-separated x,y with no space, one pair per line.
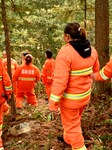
38,25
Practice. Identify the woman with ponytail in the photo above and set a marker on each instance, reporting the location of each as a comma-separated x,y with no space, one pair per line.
26,76
72,82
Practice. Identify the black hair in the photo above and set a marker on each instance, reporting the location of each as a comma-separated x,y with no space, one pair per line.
75,31
49,53
28,59
25,53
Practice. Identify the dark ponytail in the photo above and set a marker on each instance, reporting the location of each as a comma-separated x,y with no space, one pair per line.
28,59
75,31
82,34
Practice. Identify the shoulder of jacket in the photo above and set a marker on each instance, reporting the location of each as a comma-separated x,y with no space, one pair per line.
34,66
94,50
14,60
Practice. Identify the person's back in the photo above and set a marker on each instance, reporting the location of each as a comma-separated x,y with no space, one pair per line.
26,76
48,72
72,81
79,71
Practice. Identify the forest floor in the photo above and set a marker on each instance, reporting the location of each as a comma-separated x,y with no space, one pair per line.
96,125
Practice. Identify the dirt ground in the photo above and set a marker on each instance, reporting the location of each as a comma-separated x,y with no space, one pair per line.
96,125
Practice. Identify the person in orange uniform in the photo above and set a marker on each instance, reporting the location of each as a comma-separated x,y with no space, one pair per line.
72,82
14,66
5,93
47,72
105,73
26,76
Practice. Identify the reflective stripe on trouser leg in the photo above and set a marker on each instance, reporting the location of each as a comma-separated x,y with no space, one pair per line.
71,121
82,148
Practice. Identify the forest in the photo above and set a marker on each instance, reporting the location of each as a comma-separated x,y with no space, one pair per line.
36,26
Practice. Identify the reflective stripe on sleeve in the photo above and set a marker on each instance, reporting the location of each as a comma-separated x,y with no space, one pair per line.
8,88
77,96
0,78
86,71
49,77
26,79
103,75
83,148
12,66
54,98
1,126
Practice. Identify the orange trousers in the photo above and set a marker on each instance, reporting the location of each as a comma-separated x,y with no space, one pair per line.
71,122
1,123
30,97
48,89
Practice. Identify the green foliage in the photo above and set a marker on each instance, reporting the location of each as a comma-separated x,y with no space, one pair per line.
38,25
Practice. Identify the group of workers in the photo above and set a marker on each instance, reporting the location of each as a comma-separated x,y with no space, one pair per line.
24,78
68,81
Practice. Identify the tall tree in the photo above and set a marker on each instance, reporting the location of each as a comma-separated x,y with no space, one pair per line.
7,45
102,37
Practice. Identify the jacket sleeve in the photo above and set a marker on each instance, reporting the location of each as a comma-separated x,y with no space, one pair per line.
38,74
15,76
105,73
44,73
7,82
60,79
96,66
16,65
48,72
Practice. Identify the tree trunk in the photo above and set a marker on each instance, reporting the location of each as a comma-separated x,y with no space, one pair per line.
102,39
85,11
7,44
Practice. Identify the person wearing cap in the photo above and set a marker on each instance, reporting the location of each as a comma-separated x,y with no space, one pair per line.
48,71
5,94
72,82
26,76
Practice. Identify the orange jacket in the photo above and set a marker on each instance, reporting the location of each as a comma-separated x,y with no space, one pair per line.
72,78
5,83
14,65
105,73
47,71
26,77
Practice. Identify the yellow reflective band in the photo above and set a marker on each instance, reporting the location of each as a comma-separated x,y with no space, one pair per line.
0,77
54,98
103,75
26,79
49,77
1,126
86,71
77,96
83,148
12,66
8,88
